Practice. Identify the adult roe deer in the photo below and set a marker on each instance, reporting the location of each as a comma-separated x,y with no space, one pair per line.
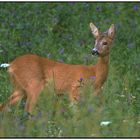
29,73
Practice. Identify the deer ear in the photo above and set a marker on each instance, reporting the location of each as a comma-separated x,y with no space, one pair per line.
111,31
94,30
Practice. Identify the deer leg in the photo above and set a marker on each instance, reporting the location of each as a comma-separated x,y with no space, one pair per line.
97,87
13,99
33,92
97,92
74,94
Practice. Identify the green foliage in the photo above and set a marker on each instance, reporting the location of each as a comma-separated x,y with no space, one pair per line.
61,32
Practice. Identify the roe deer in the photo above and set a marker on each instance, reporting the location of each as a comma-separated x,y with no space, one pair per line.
29,73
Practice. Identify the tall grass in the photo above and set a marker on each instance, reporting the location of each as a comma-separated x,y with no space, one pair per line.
55,116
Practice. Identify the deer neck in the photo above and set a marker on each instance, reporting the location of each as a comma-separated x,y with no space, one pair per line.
103,61
102,67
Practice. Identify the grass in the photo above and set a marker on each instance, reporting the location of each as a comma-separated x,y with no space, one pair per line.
61,32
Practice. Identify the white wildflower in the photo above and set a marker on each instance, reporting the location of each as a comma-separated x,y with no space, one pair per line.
105,123
134,97
60,133
124,121
122,95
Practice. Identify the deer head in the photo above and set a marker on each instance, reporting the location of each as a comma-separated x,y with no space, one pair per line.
103,40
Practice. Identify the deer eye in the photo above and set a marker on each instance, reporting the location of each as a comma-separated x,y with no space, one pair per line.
104,43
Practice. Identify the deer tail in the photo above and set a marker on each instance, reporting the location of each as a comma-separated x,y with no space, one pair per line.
4,65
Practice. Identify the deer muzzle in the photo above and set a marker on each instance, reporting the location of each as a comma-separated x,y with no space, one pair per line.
95,51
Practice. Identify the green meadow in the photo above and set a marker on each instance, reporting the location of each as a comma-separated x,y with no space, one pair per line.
60,31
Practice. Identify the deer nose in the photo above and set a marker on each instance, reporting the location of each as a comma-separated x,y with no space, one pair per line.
95,51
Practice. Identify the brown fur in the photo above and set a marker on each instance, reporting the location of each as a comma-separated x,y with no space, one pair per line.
29,74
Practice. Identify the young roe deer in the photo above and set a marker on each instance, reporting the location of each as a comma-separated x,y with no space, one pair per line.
29,73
